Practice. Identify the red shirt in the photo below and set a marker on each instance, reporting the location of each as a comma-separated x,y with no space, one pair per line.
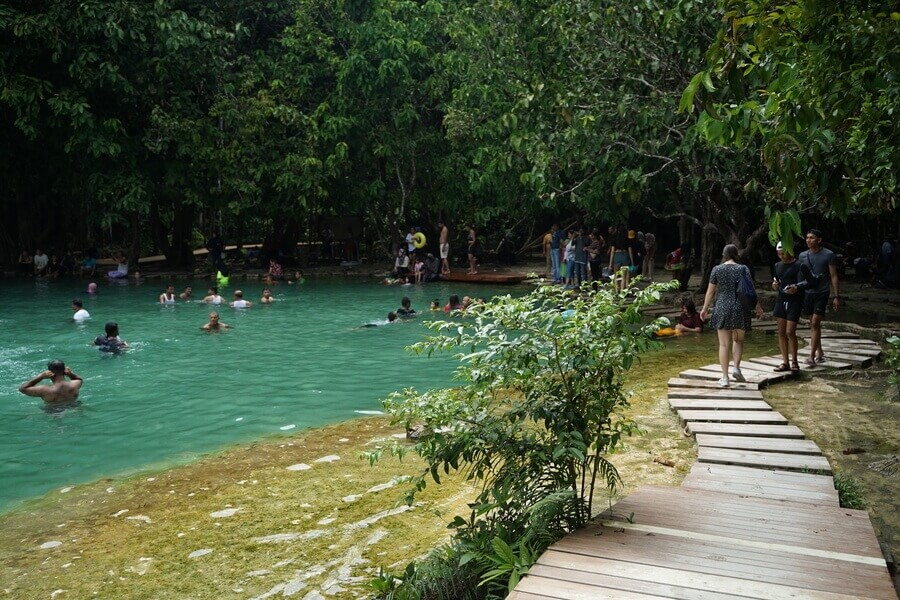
691,320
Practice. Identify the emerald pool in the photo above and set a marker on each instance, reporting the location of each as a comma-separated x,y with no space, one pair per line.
180,392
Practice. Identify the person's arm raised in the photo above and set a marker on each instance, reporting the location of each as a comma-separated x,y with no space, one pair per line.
28,388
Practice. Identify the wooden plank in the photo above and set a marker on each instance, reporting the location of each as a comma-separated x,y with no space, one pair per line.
679,382
770,460
733,416
758,444
787,479
750,374
758,490
753,430
581,551
855,359
723,404
851,349
699,374
576,580
830,333
714,558
747,586
793,527
717,392
774,361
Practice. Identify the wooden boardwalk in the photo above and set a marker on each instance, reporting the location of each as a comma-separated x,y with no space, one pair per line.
757,516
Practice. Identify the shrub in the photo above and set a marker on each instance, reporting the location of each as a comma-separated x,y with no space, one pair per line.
540,405
850,493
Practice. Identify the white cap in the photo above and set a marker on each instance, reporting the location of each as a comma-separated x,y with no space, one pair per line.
778,246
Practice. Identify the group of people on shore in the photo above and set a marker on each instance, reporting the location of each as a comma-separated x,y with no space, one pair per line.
579,254
414,265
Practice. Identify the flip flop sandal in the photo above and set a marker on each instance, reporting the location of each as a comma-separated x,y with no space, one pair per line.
810,361
795,367
782,368
821,359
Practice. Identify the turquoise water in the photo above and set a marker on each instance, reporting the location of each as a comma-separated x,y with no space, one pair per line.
180,392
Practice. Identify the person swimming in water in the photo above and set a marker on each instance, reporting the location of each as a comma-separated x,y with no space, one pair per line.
80,314
239,301
214,323
111,342
435,305
406,309
266,297
60,389
92,288
168,297
213,297
187,293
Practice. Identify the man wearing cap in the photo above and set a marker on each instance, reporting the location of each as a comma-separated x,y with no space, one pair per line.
60,389
817,264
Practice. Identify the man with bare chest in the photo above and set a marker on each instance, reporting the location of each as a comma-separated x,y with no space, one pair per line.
60,389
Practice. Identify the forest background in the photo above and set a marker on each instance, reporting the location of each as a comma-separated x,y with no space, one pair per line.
149,125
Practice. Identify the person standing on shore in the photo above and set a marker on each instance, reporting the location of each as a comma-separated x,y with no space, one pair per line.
473,250
649,255
444,247
60,389
819,269
730,319
788,307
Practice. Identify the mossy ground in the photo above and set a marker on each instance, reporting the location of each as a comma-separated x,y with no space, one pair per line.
337,530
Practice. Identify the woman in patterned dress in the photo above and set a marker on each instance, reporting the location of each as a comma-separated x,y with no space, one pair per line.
729,318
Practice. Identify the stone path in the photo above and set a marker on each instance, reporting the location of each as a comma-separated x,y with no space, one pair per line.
757,516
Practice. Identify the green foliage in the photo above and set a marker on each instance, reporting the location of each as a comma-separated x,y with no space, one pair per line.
816,84
850,492
539,407
442,575
892,360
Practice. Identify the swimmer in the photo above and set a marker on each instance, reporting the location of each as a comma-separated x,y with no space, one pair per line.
405,309
239,301
187,293
267,297
453,304
92,288
298,278
80,313
214,323
168,297
435,305
392,316
59,389
111,342
213,297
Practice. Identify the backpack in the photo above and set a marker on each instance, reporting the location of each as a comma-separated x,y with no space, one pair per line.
746,292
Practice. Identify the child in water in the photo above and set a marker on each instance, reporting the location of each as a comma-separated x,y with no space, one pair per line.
435,305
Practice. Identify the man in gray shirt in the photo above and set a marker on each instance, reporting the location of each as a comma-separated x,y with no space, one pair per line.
817,264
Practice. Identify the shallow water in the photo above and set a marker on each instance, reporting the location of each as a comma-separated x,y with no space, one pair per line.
180,392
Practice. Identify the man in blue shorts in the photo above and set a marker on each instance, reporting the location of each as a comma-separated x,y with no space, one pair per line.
817,264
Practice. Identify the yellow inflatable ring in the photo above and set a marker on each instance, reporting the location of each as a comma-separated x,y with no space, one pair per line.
419,240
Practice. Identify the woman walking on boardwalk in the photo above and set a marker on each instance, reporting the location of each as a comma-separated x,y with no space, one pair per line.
729,318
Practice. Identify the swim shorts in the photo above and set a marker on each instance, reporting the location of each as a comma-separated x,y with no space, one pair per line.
445,250
788,310
815,303
620,258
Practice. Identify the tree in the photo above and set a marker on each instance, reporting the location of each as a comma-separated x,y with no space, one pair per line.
816,84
